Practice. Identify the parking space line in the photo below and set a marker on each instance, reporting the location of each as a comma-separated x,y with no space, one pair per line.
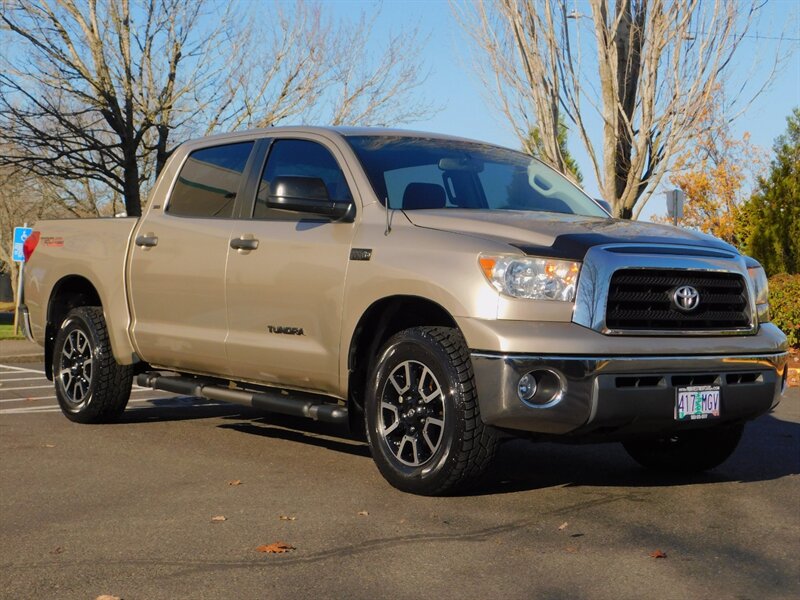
22,369
19,378
30,387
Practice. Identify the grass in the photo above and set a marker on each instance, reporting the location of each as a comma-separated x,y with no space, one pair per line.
7,333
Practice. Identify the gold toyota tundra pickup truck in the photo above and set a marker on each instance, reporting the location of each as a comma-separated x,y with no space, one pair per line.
439,292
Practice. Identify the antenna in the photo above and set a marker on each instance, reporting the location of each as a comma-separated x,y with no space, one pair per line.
388,217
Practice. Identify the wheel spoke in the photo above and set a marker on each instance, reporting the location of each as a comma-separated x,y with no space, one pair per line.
395,422
396,386
428,440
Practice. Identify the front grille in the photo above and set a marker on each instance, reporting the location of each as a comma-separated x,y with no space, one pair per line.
642,299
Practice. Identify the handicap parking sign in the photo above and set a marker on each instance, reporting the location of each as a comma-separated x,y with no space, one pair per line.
20,235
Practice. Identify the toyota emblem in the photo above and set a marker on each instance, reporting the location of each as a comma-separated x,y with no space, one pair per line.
686,298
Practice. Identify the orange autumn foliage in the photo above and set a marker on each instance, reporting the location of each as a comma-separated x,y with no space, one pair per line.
715,176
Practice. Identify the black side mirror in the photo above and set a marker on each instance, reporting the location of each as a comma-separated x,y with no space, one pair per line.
604,204
308,195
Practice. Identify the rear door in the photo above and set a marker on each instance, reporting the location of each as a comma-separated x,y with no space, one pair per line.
178,263
285,296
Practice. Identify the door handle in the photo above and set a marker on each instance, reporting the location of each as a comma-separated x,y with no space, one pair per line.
146,241
244,243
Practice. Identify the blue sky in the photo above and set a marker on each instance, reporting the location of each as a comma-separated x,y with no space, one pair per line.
466,111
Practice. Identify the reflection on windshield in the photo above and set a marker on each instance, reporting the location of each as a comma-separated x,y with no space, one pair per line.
420,173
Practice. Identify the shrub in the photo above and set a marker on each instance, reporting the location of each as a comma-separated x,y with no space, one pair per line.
784,304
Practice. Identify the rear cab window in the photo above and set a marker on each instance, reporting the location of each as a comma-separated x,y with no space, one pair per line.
209,181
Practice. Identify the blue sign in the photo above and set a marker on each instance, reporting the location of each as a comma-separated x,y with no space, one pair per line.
20,235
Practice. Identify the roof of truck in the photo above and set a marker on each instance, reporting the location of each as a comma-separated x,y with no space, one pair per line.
341,130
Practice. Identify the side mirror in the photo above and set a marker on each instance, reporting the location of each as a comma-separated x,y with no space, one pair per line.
308,195
604,204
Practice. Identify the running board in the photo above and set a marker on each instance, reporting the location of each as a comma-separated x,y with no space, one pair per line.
296,404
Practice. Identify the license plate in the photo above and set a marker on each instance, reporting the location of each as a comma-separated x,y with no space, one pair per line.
697,402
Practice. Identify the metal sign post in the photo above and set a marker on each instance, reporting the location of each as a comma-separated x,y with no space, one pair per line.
18,255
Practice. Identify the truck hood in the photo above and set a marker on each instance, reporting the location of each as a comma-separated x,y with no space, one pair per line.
558,235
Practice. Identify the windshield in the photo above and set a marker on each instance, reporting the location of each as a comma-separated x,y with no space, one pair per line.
421,173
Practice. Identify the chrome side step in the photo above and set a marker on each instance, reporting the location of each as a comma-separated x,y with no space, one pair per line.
296,404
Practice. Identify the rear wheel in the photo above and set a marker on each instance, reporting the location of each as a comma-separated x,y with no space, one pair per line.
687,451
91,386
423,420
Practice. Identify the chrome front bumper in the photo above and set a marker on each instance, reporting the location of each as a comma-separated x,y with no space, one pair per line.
619,396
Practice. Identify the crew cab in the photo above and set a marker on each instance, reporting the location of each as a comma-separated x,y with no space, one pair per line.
439,294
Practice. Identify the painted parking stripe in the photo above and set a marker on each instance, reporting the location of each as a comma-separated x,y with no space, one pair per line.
51,397
3,380
22,369
179,402
30,387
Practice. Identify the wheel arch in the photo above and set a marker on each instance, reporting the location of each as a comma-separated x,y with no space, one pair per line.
69,292
381,320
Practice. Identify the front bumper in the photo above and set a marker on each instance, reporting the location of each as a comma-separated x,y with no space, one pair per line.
621,396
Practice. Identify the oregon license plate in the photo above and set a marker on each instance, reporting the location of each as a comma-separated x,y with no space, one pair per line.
697,402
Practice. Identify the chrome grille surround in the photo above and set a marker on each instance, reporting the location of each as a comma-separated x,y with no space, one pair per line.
602,262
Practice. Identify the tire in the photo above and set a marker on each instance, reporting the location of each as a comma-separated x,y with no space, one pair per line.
687,452
91,387
424,426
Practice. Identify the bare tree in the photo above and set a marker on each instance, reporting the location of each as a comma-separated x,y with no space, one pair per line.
103,90
658,65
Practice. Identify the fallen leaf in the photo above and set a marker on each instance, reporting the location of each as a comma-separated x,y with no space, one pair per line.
218,519
275,548
363,513
49,445
658,554
571,549
108,597
287,518
563,526
57,550
235,482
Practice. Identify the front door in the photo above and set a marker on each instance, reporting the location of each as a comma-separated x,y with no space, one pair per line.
285,296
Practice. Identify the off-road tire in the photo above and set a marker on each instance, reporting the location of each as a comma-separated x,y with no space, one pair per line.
466,445
91,387
687,452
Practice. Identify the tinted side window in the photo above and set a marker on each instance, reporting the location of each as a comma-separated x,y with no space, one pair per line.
299,158
209,180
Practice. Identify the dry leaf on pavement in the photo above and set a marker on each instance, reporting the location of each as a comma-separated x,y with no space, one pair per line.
275,548
108,597
363,513
57,550
218,519
563,526
658,554
287,518
235,482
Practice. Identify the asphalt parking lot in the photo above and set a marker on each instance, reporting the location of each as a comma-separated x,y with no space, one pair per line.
128,509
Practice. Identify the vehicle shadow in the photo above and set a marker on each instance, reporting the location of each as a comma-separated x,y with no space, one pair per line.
770,449
183,408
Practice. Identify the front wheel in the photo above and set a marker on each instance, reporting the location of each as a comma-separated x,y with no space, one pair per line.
91,386
691,451
423,420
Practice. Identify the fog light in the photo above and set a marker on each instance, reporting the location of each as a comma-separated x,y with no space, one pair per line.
527,387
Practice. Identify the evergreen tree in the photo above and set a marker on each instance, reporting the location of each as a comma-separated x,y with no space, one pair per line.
770,219
535,147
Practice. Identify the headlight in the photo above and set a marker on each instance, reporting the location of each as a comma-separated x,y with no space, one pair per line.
761,289
534,278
